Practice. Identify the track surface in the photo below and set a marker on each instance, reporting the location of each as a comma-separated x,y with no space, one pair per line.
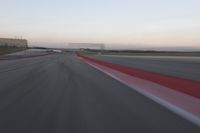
59,93
183,67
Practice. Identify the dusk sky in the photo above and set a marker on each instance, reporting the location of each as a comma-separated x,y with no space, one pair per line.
118,23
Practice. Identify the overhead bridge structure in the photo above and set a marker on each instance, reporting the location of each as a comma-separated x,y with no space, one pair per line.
99,46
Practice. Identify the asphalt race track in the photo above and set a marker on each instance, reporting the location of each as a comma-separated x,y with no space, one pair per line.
59,93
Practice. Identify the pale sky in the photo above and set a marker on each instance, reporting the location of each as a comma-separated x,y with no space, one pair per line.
118,23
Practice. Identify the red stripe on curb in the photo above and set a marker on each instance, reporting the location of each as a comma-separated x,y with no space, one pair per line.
182,85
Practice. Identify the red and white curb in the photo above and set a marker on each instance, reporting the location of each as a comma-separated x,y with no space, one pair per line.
180,103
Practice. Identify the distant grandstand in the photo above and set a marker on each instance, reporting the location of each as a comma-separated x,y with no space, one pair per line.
7,42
